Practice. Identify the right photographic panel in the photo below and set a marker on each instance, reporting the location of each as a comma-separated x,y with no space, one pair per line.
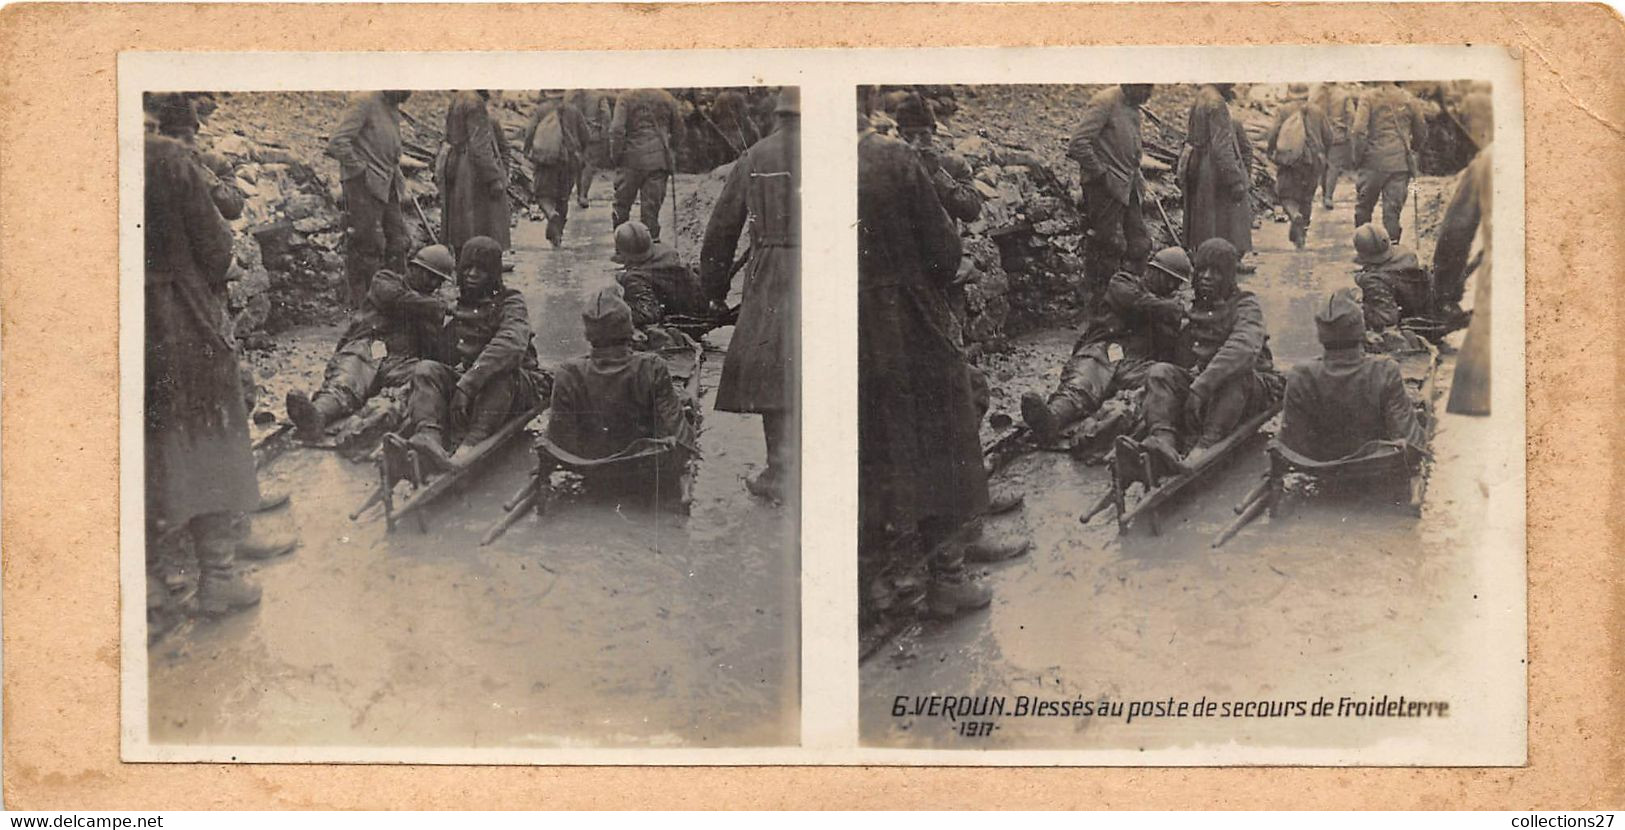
1175,427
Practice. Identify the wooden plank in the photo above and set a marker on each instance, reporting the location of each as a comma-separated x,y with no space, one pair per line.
1224,449
446,481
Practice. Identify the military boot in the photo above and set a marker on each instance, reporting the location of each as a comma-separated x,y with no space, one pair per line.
984,549
767,484
309,416
222,589
1162,445
953,594
431,449
1046,420
260,543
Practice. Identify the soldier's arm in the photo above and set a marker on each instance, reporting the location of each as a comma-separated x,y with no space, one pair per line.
1275,129
722,232
1377,301
506,348
1361,127
1232,171
668,410
575,125
530,129
1239,353
1398,413
1127,294
564,426
1419,126
1457,231
395,298
210,235
1082,147
480,145
938,239
342,145
959,196
1297,419
644,302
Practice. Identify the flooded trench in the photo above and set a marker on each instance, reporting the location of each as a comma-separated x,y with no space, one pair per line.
597,624
1338,597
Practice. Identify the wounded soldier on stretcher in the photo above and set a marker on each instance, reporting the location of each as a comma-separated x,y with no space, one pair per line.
656,285
615,417
1346,402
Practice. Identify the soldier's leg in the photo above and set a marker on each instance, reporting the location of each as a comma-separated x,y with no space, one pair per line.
583,184
1105,234
1236,399
428,403
1367,190
497,402
1136,237
1395,190
364,249
347,382
1166,387
397,241
1329,176
651,195
221,587
627,182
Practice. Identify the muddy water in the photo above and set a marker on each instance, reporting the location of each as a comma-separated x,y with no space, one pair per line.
1341,597
598,624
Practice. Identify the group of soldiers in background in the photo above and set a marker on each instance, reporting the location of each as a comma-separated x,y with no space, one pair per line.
466,362
1204,363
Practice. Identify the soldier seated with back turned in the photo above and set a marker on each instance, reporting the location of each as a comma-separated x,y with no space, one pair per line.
400,323
1346,398
608,401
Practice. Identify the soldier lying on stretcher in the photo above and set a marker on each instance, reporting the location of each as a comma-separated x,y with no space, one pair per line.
655,284
400,322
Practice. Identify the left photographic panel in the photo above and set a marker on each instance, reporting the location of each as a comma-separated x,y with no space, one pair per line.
469,422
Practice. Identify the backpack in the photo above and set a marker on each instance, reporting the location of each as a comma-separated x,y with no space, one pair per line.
1292,143
547,143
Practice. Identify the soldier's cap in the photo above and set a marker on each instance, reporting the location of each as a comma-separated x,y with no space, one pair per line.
914,114
1371,245
175,112
607,318
1340,321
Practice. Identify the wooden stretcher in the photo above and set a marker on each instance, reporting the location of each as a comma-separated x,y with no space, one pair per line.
537,494
1398,468
1131,464
398,462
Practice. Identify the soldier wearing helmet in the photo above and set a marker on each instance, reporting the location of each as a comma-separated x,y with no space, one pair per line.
1134,324
653,278
399,323
1392,283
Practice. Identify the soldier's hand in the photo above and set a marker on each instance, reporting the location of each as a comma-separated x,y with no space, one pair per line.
1193,409
498,187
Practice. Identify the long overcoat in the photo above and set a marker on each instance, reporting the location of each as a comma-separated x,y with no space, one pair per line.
1215,174
919,451
762,370
198,459
475,172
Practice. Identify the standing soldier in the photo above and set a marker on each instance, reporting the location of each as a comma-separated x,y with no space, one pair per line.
1214,176
1107,150
596,107
199,468
1388,127
178,119
762,370
367,145
474,181
556,143
644,135
1338,105
1297,144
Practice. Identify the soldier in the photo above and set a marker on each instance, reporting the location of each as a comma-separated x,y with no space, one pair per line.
950,174
199,467
178,119
367,145
597,109
1393,286
556,143
493,376
1464,251
1214,175
920,471
474,178
763,365
400,323
1339,107
1225,373
609,401
1388,128
1297,145
653,278
1107,150
1132,326
1338,402
644,136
